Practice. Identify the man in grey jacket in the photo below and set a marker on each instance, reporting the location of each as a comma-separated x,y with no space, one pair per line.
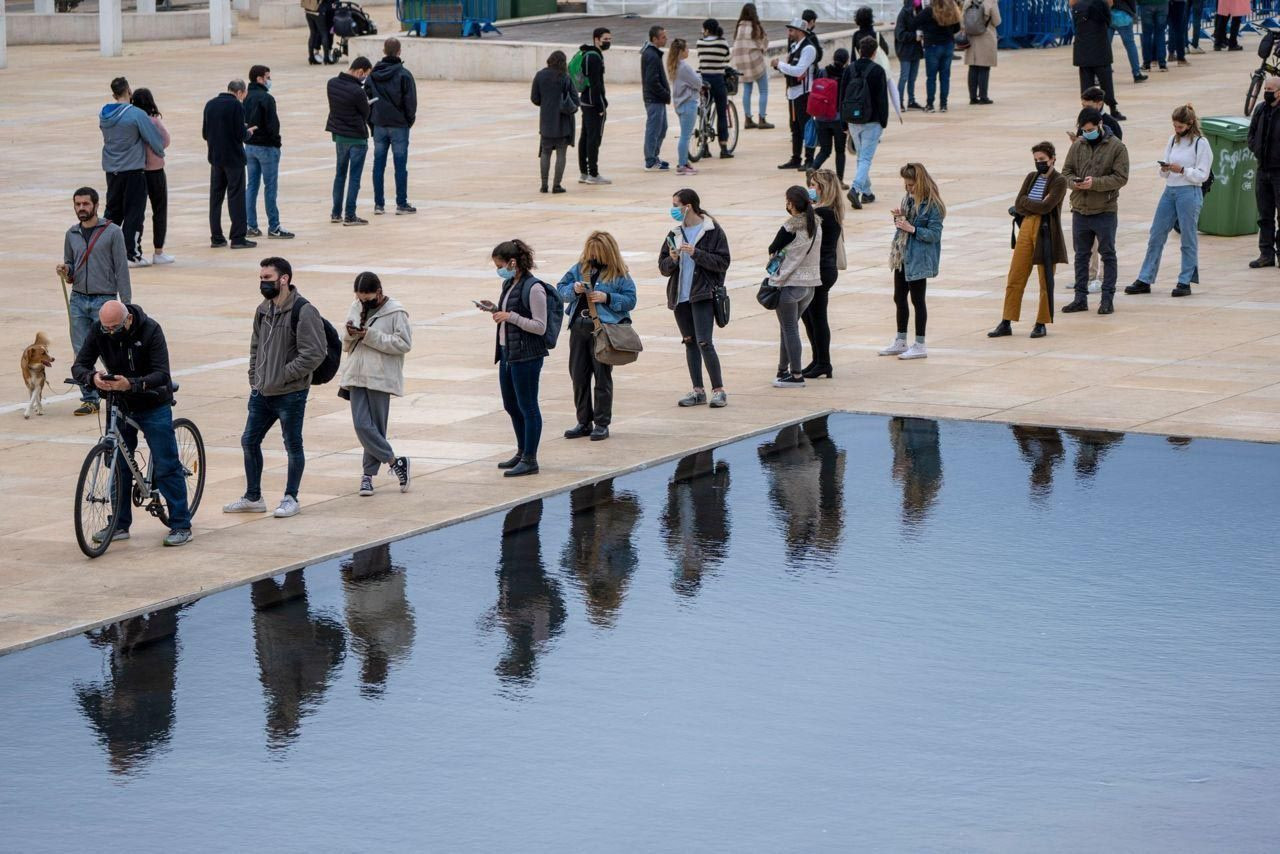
283,353
94,261
126,133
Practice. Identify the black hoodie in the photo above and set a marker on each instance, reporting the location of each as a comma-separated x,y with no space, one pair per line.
140,355
396,92
593,69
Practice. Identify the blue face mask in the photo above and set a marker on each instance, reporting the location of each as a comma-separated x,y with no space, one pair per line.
813,194
504,273
268,84
1091,135
677,214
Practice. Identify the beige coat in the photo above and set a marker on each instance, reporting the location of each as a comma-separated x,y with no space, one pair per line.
982,49
377,360
748,55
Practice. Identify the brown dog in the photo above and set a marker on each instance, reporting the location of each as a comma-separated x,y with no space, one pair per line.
35,359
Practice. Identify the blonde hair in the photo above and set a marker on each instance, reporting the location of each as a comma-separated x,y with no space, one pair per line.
926,189
829,195
602,248
1186,114
674,53
946,12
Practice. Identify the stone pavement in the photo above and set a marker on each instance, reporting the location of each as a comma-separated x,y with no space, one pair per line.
1204,366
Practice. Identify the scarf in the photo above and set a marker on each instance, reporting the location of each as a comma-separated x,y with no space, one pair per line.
898,251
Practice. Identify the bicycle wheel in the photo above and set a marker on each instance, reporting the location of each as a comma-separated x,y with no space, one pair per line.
191,458
698,140
98,493
1255,88
731,119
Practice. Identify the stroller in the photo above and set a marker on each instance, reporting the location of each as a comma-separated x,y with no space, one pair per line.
350,20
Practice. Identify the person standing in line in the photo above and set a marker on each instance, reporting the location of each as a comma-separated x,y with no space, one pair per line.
864,18
983,51
1091,48
686,92
284,351
824,192
1178,31
263,153
1264,142
395,109
1226,25
320,31
226,131
1123,15
938,25
1097,166
914,255
595,105
713,59
802,57
599,279
907,47
657,94
377,335
1186,165
348,122
127,133
833,135
795,268
1039,204
157,185
1154,15
521,315
96,263
1195,16
695,258
552,90
750,44
871,118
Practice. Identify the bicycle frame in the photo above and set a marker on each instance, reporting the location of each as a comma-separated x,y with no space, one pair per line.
112,436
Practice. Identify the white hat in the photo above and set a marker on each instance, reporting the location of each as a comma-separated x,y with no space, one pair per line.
797,24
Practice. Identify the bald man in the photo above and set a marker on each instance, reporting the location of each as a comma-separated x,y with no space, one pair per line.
132,347
1264,142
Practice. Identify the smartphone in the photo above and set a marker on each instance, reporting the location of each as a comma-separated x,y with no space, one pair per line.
108,378
485,305
1163,165
671,241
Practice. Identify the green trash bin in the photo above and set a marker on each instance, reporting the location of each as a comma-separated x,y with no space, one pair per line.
1230,208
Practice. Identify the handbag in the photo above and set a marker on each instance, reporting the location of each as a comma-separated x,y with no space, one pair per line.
1017,224
811,133
568,106
613,343
720,305
769,295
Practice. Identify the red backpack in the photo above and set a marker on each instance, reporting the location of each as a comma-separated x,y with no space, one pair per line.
824,100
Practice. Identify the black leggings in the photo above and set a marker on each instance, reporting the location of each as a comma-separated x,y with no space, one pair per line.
158,193
816,325
979,79
831,135
320,33
901,289
697,321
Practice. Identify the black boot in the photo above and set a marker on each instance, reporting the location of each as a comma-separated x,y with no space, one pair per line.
1038,331
511,463
1263,261
1106,307
1002,329
816,370
527,465
1080,303
578,431
1138,287
793,163
311,59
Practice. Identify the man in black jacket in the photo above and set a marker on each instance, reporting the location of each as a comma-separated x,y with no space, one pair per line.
594,105
263,152
657,94
348,122
1091,48
1264,142
225,131
395,108
866,87
132,347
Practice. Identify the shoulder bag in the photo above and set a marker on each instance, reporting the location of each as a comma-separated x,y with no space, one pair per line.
770,294
613,343
568,106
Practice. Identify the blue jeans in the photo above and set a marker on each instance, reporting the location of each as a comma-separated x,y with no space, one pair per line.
84,314
1195,17
907,73
264,162
264,411
350,168
1178,31
655,128
687,113
866,138
1130,47
1154,23
747,86
397,139
937,70
519,384
1179,205
169,478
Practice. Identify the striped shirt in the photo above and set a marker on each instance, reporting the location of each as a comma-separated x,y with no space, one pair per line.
1037,189
713,55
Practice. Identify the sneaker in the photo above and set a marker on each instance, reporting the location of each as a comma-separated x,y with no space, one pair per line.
99,536
915,351
245,505
653,167
686,170
790,164
915,105
400,468
279,234
598,179
403,210
719,399
353,220
693,398
253,231
87,407
928,108
1119,116
726,154
898,347
868,198
140,261
379,210
855,200
1095,286
582,178
1195,49
335,218
177,538
789,381
162,258
243,244
558,189
1140,78
1183,62
366,488
288,507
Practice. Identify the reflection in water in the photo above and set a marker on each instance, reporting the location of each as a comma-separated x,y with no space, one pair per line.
298,654
530,606
1179,442
379,615
132,709
1042,448
806,488
695,524
600,554
1091,447
917,465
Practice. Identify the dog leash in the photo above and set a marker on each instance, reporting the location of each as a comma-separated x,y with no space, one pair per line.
66,298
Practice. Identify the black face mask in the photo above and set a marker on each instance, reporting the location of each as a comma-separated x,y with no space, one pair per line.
270,290
1042,166
1269,97
605,46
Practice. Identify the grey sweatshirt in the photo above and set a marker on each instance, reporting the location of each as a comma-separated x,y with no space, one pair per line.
687,84
278,364
107,270
126,133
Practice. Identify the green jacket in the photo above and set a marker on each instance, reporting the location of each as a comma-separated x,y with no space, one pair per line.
1107,162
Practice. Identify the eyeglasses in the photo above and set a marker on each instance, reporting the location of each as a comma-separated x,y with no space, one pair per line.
111,330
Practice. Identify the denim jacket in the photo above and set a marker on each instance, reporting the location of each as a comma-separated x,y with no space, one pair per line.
923,254
616,309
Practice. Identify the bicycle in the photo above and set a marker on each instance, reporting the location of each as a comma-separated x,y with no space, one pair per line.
99,492
704,128
1269,50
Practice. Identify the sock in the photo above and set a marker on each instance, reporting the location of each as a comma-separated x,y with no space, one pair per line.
919,339
902,336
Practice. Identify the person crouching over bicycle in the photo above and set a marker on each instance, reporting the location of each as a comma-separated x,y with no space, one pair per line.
132,347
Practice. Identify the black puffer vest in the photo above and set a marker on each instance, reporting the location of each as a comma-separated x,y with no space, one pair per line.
521,346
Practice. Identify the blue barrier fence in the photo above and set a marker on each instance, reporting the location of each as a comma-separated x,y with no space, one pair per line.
1034,23
448,17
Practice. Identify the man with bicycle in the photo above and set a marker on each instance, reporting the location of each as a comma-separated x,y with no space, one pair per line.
132,347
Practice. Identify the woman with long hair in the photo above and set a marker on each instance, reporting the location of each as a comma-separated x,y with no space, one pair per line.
1187,161
824,191
750,44
552,92
686,90
601,280
157,183
914,255
938,25
795,267
713,59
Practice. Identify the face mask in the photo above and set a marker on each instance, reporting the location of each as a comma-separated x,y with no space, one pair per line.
270,290
1091,135
813,194
1042,166
114,334
605,46
677,214
504,273
268,85
1269,97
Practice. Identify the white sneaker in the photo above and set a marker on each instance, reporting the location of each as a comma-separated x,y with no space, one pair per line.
244,505
598,179
141,261
584,178
288,507
898,346
1095,286
162,258
915,351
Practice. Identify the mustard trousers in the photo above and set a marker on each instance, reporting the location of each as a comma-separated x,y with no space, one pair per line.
1024,252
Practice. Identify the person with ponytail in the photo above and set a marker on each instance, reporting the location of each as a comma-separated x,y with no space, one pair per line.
796,268
824,191
914,255
686,90
521,316
1186,165
378,334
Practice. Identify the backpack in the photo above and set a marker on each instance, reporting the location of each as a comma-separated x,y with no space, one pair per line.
350,20
856,107
578,71
975,18
311,6
555,311
824,99
328,368
1208,182
812,39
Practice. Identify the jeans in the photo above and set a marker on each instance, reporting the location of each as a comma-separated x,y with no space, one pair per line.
831,137
84,315
908,294
168,477
1267,193
866,138
264,411
349,170
1180,205
158,195
655,128
907,74
696,321
264,163
1195,17
397,139
227,182
589,141
518,382
1154,23
1085,229
547,147
1130,47
791,304
687,113
719,94
370,411
584,368
126,206
763,84
1178,30
937,69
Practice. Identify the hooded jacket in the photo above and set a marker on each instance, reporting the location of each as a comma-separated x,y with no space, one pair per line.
126,132
376,361
279,362
106,272
710,263
260,112
139,355
1107,162
592,93
348,107
396,92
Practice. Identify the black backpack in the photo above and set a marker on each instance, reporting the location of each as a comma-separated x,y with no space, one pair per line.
856,106
328,368
812,39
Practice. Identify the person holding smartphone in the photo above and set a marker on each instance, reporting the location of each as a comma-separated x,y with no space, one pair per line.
1097,166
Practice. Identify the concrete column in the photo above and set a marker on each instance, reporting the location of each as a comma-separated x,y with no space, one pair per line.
219,21
4,38
44,7
110,28
146,7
